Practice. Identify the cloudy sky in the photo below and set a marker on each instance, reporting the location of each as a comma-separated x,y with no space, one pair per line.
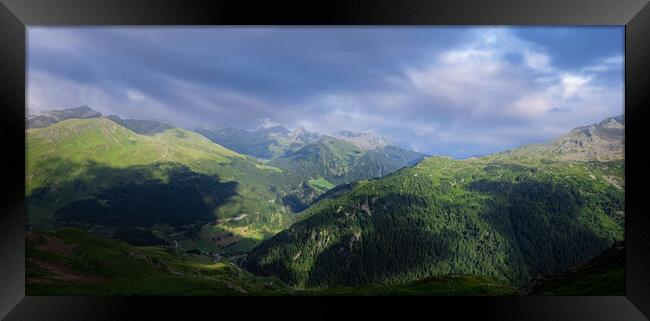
457,91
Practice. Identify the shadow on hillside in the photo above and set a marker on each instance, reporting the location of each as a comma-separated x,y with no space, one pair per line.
133,198
392,243
391,253
522,230
541,222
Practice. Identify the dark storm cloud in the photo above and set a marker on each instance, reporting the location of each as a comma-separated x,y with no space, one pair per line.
458,91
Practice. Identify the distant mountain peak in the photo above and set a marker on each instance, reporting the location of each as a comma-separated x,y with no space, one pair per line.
54,116
298,130
297,133
303,136
363,140
613,122
596,142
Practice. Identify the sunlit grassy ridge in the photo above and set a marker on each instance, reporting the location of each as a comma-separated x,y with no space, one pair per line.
107,143
78,158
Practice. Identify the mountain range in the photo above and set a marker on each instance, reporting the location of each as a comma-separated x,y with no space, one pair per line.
109,179
511,217
340,211
309,157
82,162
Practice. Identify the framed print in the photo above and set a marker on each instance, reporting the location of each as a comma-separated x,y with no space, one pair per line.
173,157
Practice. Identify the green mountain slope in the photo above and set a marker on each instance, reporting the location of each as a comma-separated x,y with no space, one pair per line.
111,175
72,262
339,161
328,158
603,275
334,161
447,285
96,172
510,219
309,157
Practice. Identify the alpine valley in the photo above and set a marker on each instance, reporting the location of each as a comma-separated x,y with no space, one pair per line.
142,207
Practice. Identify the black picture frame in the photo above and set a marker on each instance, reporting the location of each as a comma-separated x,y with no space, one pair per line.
16,15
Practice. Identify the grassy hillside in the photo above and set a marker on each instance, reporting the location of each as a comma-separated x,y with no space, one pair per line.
92,171
338,161
329,158
72,262
603,275
314,163
447,285
507,220
332,161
